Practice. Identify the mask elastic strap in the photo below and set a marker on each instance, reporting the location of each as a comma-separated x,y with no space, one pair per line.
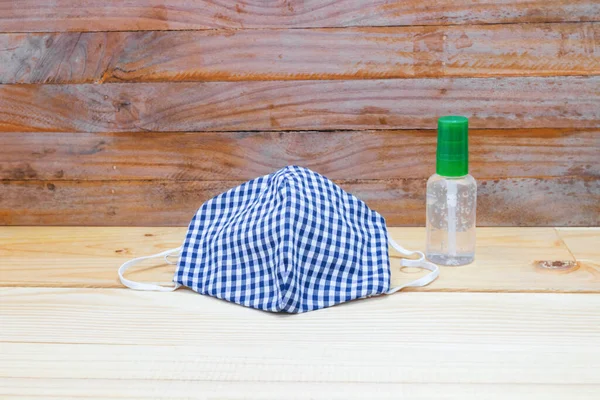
419,263
147,286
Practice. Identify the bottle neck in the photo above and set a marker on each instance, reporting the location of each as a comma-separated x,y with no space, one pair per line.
453,177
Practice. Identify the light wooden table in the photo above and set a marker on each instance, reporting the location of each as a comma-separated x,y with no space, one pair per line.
512,325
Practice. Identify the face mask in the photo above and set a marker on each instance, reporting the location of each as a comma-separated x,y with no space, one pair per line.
291,241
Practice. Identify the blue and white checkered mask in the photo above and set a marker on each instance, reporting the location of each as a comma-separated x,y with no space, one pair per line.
290,241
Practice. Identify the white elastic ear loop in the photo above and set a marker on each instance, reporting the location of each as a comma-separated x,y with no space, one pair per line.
147,286
419,263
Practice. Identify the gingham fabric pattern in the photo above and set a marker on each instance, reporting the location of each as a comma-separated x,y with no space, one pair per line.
290,241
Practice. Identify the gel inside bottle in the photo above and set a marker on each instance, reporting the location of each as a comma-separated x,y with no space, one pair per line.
451,197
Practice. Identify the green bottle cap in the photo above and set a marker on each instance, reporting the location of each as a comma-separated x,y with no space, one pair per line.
452,146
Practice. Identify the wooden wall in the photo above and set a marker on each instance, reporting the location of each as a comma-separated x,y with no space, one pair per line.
134,113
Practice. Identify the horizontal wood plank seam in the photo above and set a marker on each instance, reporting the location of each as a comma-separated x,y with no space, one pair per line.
340,180
407,290
332,27
366,130
291,130
171,378
328,79
306,28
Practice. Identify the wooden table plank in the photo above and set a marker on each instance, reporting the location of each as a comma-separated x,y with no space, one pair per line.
525,102
224,156
103,15
583,244
300,54
407,338
61,389
507,259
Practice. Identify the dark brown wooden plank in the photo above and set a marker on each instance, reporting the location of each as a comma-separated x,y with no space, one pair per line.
360,53
559,102
504,202
246,155
113,15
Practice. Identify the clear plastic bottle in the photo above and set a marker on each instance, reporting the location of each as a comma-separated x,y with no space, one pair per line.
451,198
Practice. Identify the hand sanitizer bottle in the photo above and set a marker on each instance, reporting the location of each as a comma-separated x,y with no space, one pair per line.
451,197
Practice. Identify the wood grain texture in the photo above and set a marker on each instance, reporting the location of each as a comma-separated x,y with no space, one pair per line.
581,243
583,246
97,15
407,338
501,202
88,257
65,388
558,102
360,53
379,154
